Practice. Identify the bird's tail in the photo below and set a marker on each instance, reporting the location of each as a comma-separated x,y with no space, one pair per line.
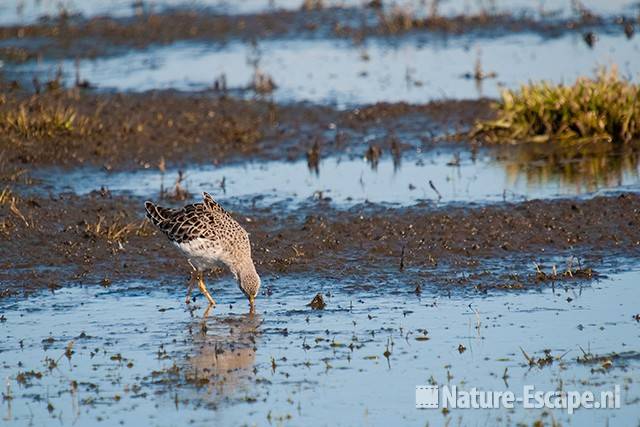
155,213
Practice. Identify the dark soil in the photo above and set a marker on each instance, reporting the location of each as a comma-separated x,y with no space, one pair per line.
100,238
48,242
127,130
75,37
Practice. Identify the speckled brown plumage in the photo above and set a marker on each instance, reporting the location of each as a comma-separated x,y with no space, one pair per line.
207,235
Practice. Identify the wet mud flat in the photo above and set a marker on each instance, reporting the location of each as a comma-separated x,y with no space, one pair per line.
77,36
54,236
338,72
442,259
133,131
444,289
100,239
416,67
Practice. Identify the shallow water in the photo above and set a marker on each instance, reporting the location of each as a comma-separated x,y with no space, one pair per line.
334,71
458,176
139,352
24,11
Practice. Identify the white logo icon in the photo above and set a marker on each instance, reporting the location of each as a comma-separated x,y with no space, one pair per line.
426,396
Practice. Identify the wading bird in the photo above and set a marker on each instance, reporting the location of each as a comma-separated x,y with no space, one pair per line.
207,235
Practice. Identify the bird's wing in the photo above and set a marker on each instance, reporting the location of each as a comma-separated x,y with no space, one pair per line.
189,223
206,220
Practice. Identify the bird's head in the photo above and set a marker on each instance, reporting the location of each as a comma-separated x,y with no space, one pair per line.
249,282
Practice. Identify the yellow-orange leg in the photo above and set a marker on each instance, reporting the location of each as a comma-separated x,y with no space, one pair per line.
207,311
203,288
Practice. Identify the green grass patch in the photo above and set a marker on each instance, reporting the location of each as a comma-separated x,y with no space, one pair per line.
605,108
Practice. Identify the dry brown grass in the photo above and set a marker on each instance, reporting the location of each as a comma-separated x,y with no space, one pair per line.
40,122
36,118
117,230
9,205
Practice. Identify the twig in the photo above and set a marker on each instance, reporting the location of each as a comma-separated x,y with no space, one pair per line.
433,187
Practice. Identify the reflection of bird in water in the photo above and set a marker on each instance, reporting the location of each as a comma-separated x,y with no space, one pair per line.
225,351
207,235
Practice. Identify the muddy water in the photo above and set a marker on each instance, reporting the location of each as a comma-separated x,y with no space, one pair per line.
335,71
139,352
458,176
23,11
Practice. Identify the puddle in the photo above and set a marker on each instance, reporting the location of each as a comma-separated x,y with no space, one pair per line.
21,11
25,11
138,353
333,71
457,176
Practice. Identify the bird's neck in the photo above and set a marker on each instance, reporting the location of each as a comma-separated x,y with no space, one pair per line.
244,268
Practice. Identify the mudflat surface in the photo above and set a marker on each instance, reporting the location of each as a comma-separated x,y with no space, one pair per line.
102,35
338,136
101,238
129,131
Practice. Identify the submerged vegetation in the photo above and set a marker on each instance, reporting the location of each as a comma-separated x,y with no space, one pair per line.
604,108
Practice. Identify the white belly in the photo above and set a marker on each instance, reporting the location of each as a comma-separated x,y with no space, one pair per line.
203,253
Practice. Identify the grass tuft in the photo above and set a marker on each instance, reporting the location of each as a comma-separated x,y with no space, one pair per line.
37,118
8,200
116,230
41,122
604,108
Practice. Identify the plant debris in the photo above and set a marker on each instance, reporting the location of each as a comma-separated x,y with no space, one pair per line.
317,303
